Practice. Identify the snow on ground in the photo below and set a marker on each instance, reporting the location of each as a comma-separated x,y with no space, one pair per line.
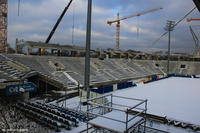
16,120
116,126
173,97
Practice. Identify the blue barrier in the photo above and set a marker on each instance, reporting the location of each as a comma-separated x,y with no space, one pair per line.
107,89
124,85
171,75
102,90
130,84
119,86
183,76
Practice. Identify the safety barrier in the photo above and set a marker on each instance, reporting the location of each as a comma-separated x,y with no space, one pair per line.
102,90
124,85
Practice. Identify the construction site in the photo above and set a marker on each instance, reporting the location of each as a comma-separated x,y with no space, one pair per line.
48,87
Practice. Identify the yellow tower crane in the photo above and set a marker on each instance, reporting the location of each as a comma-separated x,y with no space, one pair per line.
130,16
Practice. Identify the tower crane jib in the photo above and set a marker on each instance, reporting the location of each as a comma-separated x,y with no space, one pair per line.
123,18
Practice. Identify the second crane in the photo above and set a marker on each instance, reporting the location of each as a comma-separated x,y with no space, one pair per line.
120,19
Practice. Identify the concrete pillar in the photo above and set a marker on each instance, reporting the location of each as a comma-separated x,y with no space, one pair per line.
52,50
26,96
58,52
16,46
115,87
107,56
28,50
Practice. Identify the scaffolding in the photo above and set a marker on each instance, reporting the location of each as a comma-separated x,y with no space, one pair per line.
3,25
115,117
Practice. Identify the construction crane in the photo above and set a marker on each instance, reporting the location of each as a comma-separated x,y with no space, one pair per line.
192,19
196,40
120,19
55,26
197,3
3,25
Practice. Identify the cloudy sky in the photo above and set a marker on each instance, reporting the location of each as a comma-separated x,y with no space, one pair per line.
37,17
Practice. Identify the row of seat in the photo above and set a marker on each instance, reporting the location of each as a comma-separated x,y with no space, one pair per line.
54,111
12,72
79,115
48,114
40,118
60,111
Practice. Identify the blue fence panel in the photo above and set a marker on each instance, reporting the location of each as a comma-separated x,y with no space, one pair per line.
119,86
184,76
123,85
99,90
104,89
108,89
171,75
130,84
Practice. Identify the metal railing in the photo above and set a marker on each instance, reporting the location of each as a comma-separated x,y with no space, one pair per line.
99,102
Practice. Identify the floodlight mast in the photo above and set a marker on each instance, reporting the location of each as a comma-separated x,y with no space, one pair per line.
87,56
169,27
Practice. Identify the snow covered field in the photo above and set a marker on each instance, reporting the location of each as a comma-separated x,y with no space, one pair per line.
174,97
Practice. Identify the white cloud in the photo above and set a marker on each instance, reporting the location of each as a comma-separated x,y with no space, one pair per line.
36,37
37,19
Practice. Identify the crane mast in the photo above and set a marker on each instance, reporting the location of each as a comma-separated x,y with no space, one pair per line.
117,33
3,25
196,40
56,25
123,18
